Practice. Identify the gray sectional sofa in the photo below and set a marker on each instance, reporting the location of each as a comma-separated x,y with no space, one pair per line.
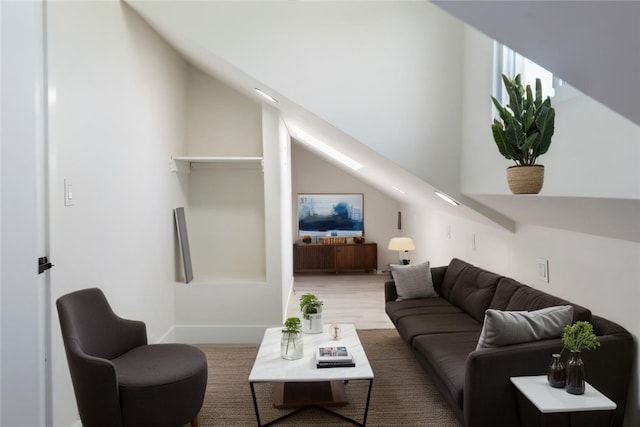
443,329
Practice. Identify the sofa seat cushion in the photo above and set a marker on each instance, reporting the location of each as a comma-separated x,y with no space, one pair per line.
436,323
447,354
399,309
528,299
473,291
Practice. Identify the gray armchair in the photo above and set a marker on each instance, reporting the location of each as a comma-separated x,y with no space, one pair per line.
118,379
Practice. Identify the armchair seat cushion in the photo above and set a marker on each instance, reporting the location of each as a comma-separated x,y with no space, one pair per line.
153,365
169,377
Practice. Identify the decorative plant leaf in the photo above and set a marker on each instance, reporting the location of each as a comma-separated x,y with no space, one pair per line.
545,124
527,122
579,336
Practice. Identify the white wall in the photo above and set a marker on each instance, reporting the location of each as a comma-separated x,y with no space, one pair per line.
312,174
118,115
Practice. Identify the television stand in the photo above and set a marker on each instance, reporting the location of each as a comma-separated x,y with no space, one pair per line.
334,258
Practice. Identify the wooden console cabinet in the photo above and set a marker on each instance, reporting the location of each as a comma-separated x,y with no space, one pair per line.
320,258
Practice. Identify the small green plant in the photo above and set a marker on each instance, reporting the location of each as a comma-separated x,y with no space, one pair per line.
292,327
309,304
579,336
526,124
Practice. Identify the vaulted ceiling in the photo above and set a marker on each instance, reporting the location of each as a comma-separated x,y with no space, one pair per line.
364,79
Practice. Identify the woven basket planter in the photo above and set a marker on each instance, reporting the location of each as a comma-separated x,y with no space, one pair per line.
525,179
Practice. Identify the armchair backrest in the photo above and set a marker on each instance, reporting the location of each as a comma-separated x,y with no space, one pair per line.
87,318
93,334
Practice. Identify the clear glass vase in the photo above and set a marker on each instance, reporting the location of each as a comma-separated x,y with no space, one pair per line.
291,345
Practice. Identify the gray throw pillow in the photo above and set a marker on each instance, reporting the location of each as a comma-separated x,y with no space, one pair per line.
513,327
413,281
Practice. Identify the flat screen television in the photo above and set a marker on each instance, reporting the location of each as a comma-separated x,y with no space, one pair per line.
339,215
183,242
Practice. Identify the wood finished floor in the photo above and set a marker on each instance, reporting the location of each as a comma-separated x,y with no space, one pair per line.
348,298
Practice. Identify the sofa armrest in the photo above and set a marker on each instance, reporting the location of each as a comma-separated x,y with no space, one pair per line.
487,380
390,292
488,371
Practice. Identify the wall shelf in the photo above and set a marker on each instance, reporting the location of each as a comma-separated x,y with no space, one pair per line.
184,164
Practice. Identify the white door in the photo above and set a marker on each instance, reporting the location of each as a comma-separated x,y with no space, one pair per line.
24,301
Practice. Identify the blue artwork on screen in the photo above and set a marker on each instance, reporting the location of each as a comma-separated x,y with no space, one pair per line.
330,215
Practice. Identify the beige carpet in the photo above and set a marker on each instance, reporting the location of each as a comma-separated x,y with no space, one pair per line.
402,394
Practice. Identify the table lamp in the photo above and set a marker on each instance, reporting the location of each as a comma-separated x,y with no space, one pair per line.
402,245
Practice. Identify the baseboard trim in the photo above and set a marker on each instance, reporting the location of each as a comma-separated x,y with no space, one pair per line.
208,334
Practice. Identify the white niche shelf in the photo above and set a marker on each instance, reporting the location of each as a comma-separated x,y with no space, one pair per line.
186,163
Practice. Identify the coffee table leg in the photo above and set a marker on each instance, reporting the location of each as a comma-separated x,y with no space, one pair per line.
255,404
366,406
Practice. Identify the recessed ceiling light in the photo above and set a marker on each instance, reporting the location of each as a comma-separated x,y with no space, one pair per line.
312,141
447,198
265,95
399,190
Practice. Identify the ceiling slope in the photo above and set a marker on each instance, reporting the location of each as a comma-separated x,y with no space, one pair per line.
402,127
371,91
594,45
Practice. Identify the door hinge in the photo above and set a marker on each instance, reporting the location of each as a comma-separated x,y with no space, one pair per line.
43,264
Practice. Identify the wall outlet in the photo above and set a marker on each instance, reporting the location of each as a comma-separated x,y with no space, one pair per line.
449,231
543,270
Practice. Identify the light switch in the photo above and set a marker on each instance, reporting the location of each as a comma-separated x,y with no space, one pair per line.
543,270
68,193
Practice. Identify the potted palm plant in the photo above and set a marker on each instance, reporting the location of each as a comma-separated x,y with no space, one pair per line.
291,342
575,338
523,133
311,308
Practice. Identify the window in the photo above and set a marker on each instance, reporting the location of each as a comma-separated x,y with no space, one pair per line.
510,62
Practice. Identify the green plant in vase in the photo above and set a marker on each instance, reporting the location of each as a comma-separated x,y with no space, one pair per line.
291,344
576,338
311,307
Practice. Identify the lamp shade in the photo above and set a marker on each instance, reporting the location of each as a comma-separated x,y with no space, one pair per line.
401,244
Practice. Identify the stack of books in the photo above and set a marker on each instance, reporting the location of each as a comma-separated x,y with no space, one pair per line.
334,357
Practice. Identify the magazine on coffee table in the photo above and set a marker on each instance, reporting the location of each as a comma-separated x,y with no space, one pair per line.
334,357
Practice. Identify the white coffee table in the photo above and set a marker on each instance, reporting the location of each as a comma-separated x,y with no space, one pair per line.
299,383
551,400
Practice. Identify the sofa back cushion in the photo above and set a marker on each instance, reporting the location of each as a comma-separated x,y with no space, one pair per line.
528,299
474,290
450,276
504,291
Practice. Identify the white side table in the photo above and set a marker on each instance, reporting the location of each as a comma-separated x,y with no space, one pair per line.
551,400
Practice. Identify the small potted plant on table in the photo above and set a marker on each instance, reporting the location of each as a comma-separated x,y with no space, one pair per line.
291,342
311,308
575,338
